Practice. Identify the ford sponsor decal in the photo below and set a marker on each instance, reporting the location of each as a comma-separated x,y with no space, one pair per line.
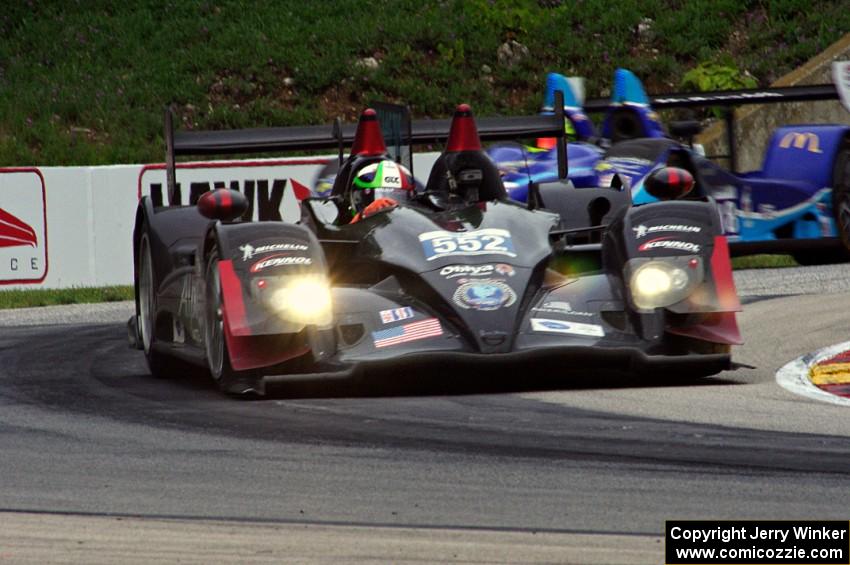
563,327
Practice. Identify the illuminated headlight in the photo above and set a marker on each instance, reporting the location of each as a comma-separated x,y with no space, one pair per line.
658,283
304,299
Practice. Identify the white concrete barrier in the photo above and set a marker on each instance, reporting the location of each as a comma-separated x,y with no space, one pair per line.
65,227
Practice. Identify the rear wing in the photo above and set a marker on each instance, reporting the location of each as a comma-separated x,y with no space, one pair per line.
729,99
337,135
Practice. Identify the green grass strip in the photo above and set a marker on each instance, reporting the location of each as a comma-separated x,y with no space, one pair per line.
53,297
764,262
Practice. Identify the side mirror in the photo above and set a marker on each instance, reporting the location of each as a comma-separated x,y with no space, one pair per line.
222,204
669,183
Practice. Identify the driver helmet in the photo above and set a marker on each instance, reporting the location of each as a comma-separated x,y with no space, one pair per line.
384,179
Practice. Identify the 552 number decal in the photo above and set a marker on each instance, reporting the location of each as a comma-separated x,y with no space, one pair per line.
436,244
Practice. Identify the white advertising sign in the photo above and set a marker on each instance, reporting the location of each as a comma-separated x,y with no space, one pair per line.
23,227
89,212
272,187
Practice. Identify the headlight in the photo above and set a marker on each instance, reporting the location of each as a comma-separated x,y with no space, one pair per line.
303,299
657,283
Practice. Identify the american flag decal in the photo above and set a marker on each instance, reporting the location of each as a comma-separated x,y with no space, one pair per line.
408,332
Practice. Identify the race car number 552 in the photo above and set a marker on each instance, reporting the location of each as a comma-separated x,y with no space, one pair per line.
438,244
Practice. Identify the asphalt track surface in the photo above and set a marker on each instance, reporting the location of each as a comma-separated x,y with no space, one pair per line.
100,462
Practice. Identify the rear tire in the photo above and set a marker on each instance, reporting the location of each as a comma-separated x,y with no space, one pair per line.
160,365
814,257
841,198
245,384
841,211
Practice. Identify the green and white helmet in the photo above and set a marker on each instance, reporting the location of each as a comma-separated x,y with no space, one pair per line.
384,179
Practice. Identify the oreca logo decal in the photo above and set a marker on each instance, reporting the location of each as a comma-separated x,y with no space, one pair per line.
666,243
23,226
279,261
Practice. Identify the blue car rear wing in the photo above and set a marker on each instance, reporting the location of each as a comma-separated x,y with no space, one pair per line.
729,99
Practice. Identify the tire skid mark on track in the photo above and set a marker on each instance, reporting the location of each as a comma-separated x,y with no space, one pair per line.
417,456
103,383
344,523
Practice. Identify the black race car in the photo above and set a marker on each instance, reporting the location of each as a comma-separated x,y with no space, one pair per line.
453,275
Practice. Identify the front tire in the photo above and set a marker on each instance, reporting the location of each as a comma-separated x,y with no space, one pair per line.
228,380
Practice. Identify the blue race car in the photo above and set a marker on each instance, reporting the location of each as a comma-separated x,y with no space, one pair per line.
798,202
629,116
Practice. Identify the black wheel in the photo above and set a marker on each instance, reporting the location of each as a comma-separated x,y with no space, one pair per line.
841,210
820,256
841,197
160,365
242,383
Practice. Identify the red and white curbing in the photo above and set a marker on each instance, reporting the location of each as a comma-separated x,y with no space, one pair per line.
797,375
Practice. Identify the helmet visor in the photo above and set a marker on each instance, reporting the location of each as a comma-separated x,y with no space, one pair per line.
360,198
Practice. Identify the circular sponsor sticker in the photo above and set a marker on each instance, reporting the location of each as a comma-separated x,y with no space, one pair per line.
484,295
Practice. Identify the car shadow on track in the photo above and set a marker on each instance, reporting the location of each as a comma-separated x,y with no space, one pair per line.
414,381
419,383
